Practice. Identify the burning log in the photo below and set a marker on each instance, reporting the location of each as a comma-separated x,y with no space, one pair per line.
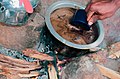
38,55
31,74
52,72
114,50
108,72
16,68
16,62
115,55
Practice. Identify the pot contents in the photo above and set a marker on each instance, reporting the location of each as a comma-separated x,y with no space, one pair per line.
60,20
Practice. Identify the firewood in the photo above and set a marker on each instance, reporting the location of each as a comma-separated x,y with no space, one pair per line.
52,72
114,51
16,68
59,62
34,78
31,74
10,76
38,55
115,55
21,75
23,69
114,47
16,62
3,64
108,72
13,65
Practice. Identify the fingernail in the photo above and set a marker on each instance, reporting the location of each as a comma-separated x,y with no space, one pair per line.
90,23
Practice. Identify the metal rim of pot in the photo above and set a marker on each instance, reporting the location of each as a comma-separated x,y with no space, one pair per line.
62,4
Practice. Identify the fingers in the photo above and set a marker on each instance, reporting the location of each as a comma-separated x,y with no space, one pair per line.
89,11
87,8
98,10
90,14
93,19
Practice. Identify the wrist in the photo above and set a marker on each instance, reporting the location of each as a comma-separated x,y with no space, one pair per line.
117,2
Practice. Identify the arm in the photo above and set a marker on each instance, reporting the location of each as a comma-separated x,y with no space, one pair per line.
101,10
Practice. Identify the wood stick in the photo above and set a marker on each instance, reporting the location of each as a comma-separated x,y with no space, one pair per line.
42,57
24,69
108,72
52,72
115,55
15,68
10,76
38,55
31,74
17,62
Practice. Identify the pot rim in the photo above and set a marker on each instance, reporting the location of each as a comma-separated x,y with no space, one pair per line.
62,4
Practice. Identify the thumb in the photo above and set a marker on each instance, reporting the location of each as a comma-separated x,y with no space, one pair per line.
93,19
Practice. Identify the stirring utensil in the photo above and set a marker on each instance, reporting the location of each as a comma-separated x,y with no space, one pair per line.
27,5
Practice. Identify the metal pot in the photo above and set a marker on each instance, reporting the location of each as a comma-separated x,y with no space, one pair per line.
62,4
12,13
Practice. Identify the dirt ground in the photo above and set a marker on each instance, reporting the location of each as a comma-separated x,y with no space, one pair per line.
19,38
112,35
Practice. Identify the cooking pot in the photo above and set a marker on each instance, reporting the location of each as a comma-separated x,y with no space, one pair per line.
70,4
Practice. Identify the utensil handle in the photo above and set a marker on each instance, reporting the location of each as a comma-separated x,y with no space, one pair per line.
27,5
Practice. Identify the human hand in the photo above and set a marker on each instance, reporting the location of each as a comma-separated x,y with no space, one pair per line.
100,10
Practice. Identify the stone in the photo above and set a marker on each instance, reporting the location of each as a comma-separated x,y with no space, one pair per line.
81,68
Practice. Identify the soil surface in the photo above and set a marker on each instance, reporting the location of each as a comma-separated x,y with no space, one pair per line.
77,68
60,20
18,38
